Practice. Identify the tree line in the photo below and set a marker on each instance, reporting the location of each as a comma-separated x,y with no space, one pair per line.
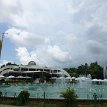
93,68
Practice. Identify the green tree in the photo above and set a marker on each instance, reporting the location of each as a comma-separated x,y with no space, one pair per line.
96,70
72,71
83,69
23,98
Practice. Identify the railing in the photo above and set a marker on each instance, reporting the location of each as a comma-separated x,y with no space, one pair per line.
53,91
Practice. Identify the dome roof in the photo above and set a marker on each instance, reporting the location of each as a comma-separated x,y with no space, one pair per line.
32,63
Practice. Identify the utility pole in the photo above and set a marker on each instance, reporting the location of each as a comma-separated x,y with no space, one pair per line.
3,34
1,42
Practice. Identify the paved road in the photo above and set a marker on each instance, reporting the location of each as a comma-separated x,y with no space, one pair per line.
11,106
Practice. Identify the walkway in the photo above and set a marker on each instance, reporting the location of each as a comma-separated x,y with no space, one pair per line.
1,105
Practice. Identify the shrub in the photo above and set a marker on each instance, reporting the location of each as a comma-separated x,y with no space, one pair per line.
0,96
70,96
0,93
23,98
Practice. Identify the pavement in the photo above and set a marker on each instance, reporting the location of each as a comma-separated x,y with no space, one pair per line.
1,105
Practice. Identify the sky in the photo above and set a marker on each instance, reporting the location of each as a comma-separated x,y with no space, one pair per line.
58,33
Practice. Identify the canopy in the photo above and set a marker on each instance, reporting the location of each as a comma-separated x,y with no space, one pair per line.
1,76
61,78
31,71
69,78
9,77
73,77
19,77
27,77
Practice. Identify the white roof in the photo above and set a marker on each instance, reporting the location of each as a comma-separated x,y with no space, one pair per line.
1,76
10,77
73,77
27,77
31,71
19,77
105,79
23,77
61,78
82,78
68,78
97,80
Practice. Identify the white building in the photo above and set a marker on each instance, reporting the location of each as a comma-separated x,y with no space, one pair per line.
31,70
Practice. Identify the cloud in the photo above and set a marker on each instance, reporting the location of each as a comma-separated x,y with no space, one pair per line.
95,47
59,32
50,57
5,62
25,38
58,54
25,56
8,9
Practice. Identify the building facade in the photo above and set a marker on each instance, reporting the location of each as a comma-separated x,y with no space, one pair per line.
32,70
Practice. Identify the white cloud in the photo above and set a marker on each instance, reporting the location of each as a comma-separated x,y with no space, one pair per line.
39,56
58,54
72,27
25,38
25,56
43,57
5,62
74,6
8,9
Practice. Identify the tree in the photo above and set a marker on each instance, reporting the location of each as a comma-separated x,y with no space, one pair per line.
23,97
96,70
83,69
71,71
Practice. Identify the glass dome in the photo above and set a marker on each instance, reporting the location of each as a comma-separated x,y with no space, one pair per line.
31,63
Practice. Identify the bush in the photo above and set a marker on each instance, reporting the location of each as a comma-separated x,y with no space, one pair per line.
70,96
23,98
0,96
0,93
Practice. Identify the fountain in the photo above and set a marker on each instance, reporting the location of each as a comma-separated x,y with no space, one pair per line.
85,88
105,72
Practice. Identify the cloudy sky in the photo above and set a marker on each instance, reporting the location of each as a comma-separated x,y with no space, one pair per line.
54,32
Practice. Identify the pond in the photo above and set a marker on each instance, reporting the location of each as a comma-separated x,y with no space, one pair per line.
84,90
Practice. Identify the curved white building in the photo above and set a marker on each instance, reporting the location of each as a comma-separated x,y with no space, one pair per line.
32,70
